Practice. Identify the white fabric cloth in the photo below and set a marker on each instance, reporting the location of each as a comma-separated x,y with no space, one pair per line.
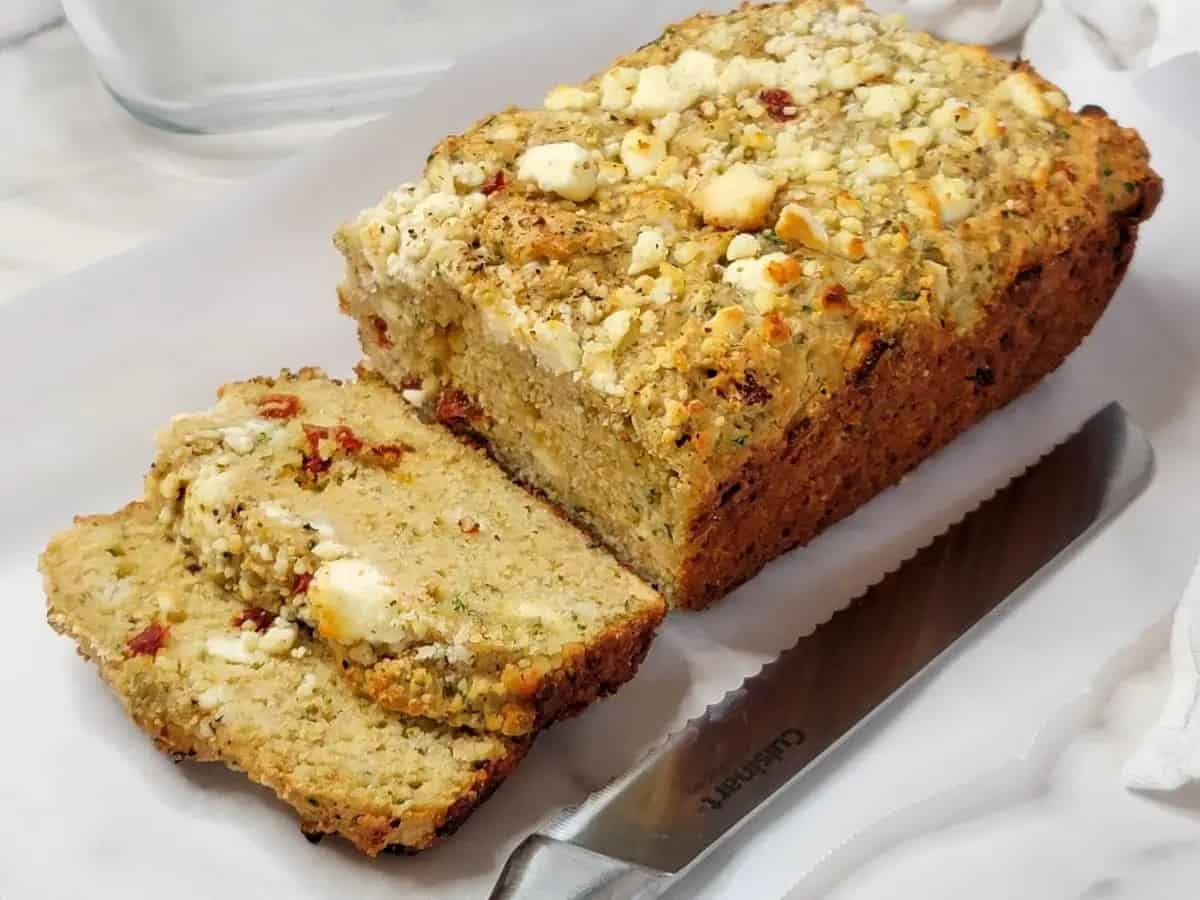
1169,756
1115,34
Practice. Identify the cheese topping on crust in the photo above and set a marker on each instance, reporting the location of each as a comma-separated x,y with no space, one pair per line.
759,194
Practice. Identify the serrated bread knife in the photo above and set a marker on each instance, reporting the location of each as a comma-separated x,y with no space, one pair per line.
630,839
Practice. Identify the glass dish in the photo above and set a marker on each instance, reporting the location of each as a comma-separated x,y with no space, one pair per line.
224,65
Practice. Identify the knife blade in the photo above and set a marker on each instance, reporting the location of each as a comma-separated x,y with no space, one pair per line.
658,819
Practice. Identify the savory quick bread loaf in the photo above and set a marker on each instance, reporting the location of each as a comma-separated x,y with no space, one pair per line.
722,293
172,646
443,589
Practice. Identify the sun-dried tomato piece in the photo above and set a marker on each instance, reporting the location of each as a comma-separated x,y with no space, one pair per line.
467,525
279,406
454,406
149,640
495,182
300,585
262,618
313,435
343,437
346,439
382,337
779,103
388,454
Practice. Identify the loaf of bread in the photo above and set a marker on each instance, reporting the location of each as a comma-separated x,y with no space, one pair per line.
717,296
173,648
443,589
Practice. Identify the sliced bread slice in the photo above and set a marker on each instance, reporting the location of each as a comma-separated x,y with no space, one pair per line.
172,646
445,590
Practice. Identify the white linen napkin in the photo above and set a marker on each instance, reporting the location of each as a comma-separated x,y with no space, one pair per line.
1116,34
1169,756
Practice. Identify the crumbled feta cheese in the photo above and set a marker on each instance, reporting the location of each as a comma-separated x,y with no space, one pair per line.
1022,90
241,648
656,95
649,251
642,152
879,167
922,203
451,653
238,439
668,126
740,73
352,600
278,513
697,70
212,488
906,146
468,174
743,246
414,396
279,639
328,549
616,87
601,372
564,168
555,346
773,272
887,101
737,198
953,114
799,227
989,129
954,199
567,96
616,326
846,76
816,160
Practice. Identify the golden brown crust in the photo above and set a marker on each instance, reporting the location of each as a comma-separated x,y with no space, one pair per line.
586,673
910,398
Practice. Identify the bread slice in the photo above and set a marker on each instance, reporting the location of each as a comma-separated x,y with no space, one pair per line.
715,297
444,590
168,643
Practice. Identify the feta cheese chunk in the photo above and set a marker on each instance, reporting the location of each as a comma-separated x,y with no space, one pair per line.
737,198
352,601
649,251
563,168
773,273
743,246
567,96
641,152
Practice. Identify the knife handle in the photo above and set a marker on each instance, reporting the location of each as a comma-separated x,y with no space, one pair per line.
542,868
